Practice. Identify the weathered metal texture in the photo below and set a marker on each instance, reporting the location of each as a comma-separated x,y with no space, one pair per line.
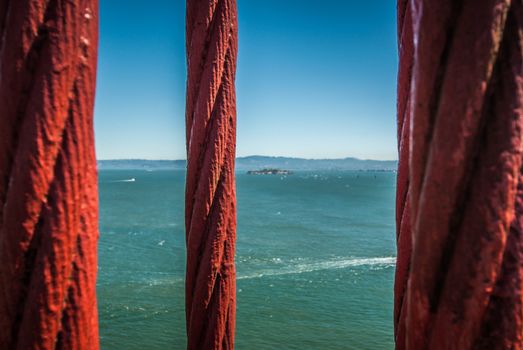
48,185
210,188
403,227
459,283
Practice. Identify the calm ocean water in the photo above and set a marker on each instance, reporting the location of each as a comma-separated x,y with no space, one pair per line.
315,260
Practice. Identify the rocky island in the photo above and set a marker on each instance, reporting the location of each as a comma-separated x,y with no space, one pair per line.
269,171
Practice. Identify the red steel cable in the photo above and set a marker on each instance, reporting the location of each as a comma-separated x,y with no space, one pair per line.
48,181
459,283
210,214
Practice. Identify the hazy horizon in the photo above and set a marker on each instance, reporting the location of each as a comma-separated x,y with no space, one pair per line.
253,155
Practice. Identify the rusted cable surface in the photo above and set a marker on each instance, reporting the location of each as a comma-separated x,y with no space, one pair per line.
210,187
48,185
460,96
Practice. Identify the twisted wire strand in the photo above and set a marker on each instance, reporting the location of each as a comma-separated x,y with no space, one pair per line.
210,186
403,228
464,273
48,185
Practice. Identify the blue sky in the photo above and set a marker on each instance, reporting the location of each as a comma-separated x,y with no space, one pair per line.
315,79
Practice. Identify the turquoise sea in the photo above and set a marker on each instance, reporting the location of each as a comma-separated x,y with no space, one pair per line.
315,260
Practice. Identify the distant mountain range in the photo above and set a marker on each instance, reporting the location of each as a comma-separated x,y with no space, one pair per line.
260,162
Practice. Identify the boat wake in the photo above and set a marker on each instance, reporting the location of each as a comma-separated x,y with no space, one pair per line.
126,180
374,263
380,263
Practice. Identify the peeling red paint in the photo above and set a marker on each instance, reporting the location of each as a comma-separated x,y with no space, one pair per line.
48,182
210,189
459,277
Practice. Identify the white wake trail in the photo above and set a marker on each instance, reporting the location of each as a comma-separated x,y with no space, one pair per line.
381,262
